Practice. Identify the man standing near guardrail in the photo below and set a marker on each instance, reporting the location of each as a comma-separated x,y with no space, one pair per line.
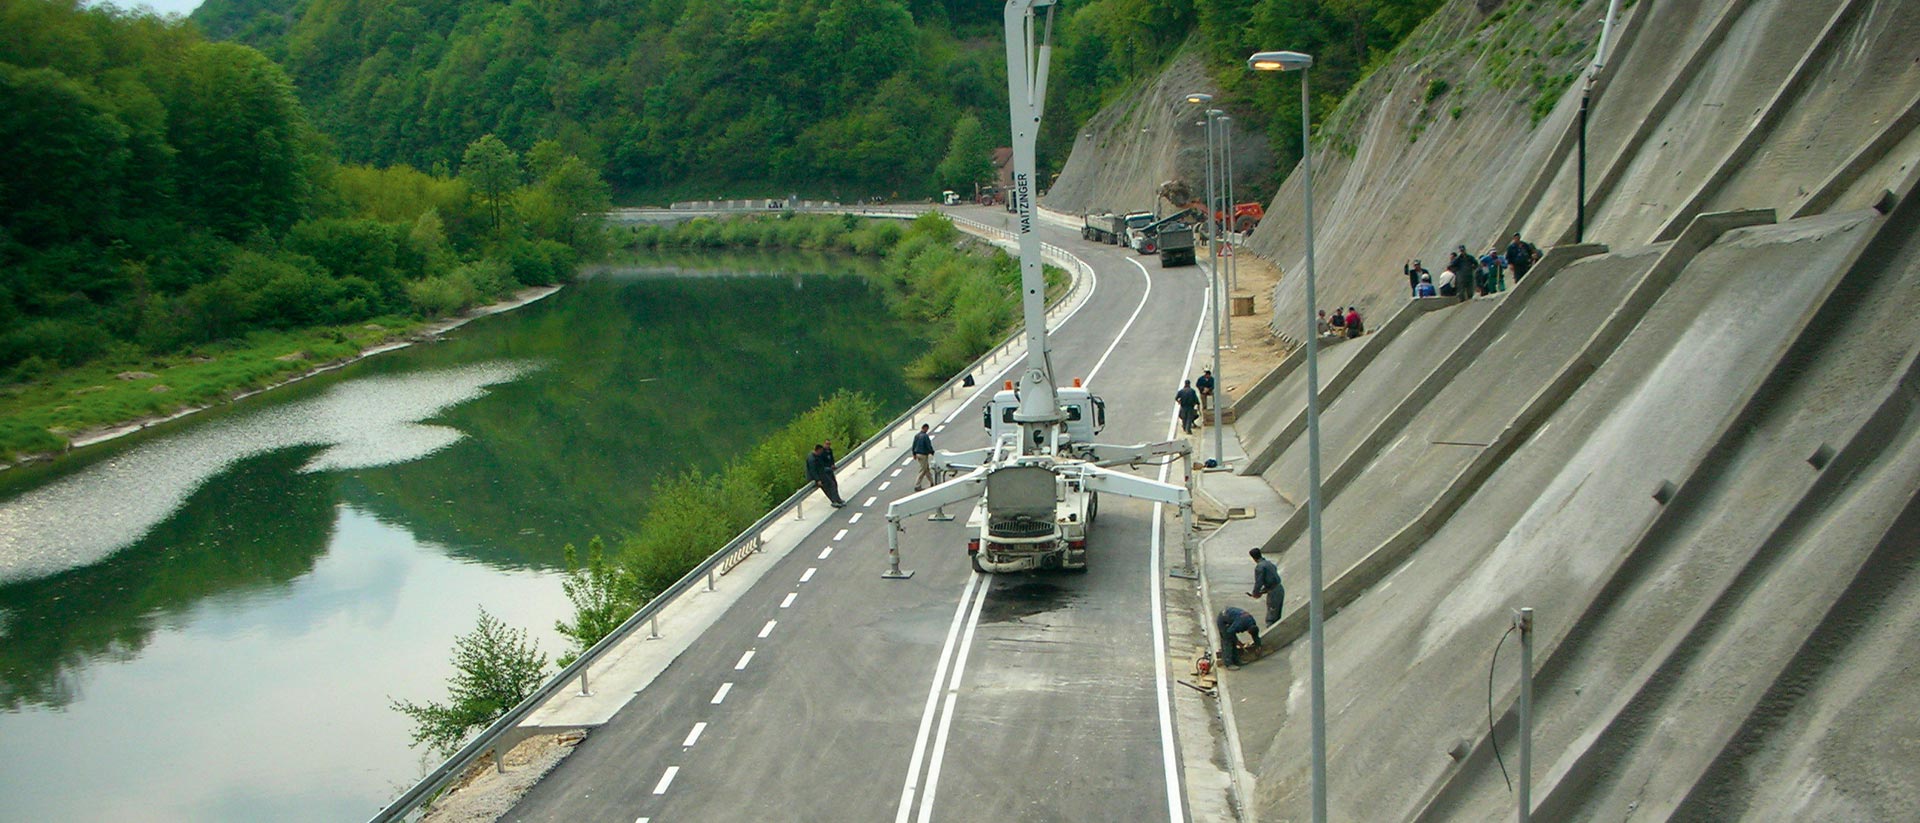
923,454
820,471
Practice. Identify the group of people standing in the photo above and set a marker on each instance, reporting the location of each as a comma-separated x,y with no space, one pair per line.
1467,275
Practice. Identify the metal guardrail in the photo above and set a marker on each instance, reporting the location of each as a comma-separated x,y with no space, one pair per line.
735,552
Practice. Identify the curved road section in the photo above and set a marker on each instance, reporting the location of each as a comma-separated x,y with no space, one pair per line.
829,693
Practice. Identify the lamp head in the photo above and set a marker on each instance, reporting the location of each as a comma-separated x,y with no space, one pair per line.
1199,98
1279,61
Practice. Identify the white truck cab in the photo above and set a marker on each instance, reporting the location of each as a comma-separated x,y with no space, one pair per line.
1086,414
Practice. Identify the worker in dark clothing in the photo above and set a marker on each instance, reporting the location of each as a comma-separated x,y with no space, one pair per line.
1189,406
1205,386
1521,255
1231,623
1463,265
1266,581
923,454
820,471
1354,326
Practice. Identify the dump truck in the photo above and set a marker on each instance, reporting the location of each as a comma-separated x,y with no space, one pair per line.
1103,227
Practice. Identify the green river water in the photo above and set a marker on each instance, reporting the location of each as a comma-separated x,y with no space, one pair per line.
207,621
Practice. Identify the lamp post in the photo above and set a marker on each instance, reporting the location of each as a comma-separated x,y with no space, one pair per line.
1224,223
1316,637
1586,98
1213,255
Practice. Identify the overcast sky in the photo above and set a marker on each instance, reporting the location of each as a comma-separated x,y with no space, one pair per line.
180,7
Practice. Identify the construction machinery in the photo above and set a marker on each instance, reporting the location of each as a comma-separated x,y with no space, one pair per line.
1040,479
1244,218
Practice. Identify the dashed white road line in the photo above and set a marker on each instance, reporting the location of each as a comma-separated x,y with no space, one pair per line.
840,535
896,472
855,518
953,694
789,601
721,695
869,501
768,629
694,736
666,780
742,665
808,574
823,555
884,484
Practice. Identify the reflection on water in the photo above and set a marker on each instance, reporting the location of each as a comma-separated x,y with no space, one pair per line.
81,519
206,621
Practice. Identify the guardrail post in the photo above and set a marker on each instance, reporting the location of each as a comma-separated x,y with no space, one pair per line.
498,767
709,580
800,506
583,683
653,628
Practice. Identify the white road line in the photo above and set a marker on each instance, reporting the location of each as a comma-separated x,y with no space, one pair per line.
666,780
940,428
840,535
789,601
933,700
721,695
808,574
768,629
694,736
884,484
1123,329
742,665
855,518
905,460
869,501
896,472
1162,690
823,555
953,694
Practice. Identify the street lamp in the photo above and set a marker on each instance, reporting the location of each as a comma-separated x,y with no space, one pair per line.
1213,255
1316,637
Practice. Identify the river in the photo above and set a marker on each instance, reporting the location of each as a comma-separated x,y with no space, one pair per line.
209,620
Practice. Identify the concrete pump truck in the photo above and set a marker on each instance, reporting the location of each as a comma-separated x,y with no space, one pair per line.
1040,479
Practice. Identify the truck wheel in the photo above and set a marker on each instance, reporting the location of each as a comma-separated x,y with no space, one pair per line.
1093,508
1245,224
975,560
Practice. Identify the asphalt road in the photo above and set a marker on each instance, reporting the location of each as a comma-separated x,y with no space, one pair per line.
830,693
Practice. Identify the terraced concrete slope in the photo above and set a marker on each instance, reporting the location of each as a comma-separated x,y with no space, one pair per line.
1690,442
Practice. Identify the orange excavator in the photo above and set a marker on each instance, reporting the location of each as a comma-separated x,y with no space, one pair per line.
1181,195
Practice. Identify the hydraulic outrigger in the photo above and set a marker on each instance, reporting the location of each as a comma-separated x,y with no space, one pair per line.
1039,482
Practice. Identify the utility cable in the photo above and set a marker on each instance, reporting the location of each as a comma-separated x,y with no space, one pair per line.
1490,735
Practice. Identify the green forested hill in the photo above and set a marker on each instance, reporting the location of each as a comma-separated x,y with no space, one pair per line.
167,199
709,97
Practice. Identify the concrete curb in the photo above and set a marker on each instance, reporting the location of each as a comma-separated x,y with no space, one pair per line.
1784,97
1375,344
1437,380
1377,564
1667,521
1669,97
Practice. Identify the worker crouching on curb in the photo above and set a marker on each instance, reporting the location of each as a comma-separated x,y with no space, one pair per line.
1231,623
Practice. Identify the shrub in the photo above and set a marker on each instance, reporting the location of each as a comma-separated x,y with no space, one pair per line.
495,667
